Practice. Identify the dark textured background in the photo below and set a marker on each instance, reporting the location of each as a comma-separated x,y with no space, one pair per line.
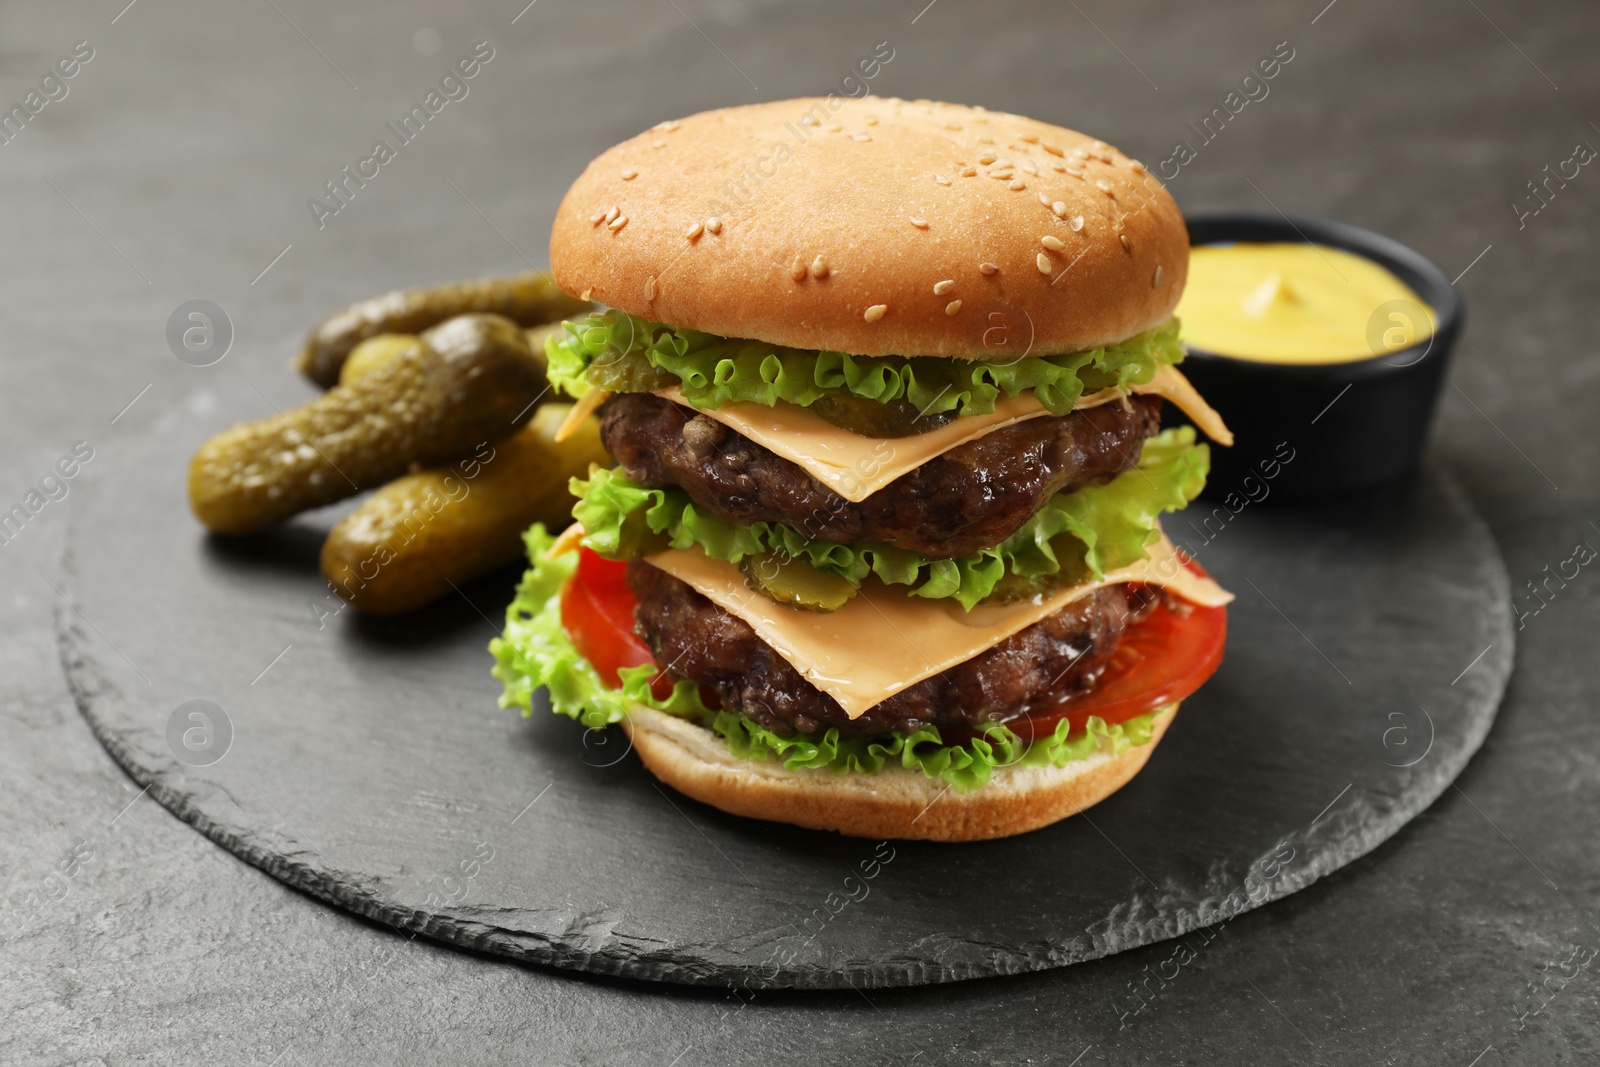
181,162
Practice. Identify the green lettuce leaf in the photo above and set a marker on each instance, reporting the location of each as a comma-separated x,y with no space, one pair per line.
1113,524
966,767
534,650
713,370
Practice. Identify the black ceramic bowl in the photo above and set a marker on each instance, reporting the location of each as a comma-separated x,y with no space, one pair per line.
1309,431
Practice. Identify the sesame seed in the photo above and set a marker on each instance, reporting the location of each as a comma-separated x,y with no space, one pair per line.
597,218
1053,149
693,232
629,174
1105,187
669,125
1126,244
1101,146
1042,261
1076,223
987,158
1060,209
714,224
875,312
1155,283
1030,166
658,144
952,307
941,288
1076,172
919,222
1000,175
650,289
861,136
1136,167
1028,138
941,179
618,223
986,140
1104,158
808,120
1052,242
1045,200
1058,168
988,269
952,125
819,266
797,269
611,215
1018,185
872,120
969,172
586,294
834,127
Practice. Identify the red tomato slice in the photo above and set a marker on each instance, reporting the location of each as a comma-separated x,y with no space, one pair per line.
597,612
1163,659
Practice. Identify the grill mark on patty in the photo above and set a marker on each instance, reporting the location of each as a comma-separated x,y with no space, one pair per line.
968,499
1056,658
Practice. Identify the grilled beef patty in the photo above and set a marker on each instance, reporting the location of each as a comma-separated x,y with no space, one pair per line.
969,499
1036,668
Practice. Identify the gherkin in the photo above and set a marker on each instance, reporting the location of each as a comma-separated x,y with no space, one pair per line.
469,380
528,299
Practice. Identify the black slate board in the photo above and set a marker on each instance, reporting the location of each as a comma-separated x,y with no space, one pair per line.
368,764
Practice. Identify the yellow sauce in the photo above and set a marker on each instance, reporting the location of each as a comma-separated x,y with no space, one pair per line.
1297,303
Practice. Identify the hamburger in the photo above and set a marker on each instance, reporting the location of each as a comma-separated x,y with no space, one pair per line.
880,553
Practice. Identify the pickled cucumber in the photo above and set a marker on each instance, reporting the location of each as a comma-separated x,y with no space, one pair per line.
627,372
795,582
469,380
407,543
373,353
1073,570
528,299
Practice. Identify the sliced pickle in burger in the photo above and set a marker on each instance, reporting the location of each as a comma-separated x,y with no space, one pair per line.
795,583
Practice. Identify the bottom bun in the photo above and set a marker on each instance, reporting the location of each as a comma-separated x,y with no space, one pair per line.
896,802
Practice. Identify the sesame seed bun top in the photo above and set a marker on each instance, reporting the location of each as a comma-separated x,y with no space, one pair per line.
877,227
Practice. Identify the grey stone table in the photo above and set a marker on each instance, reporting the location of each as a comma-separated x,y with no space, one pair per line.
177,162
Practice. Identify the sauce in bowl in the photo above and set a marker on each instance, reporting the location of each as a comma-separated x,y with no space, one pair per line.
1297,303
1323,344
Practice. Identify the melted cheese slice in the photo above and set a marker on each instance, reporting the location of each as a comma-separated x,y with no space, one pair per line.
855,466
884,640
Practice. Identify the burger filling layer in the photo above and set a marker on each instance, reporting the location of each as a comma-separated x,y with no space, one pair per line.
538,664
1072,536
968,499
1041,518
1041,666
